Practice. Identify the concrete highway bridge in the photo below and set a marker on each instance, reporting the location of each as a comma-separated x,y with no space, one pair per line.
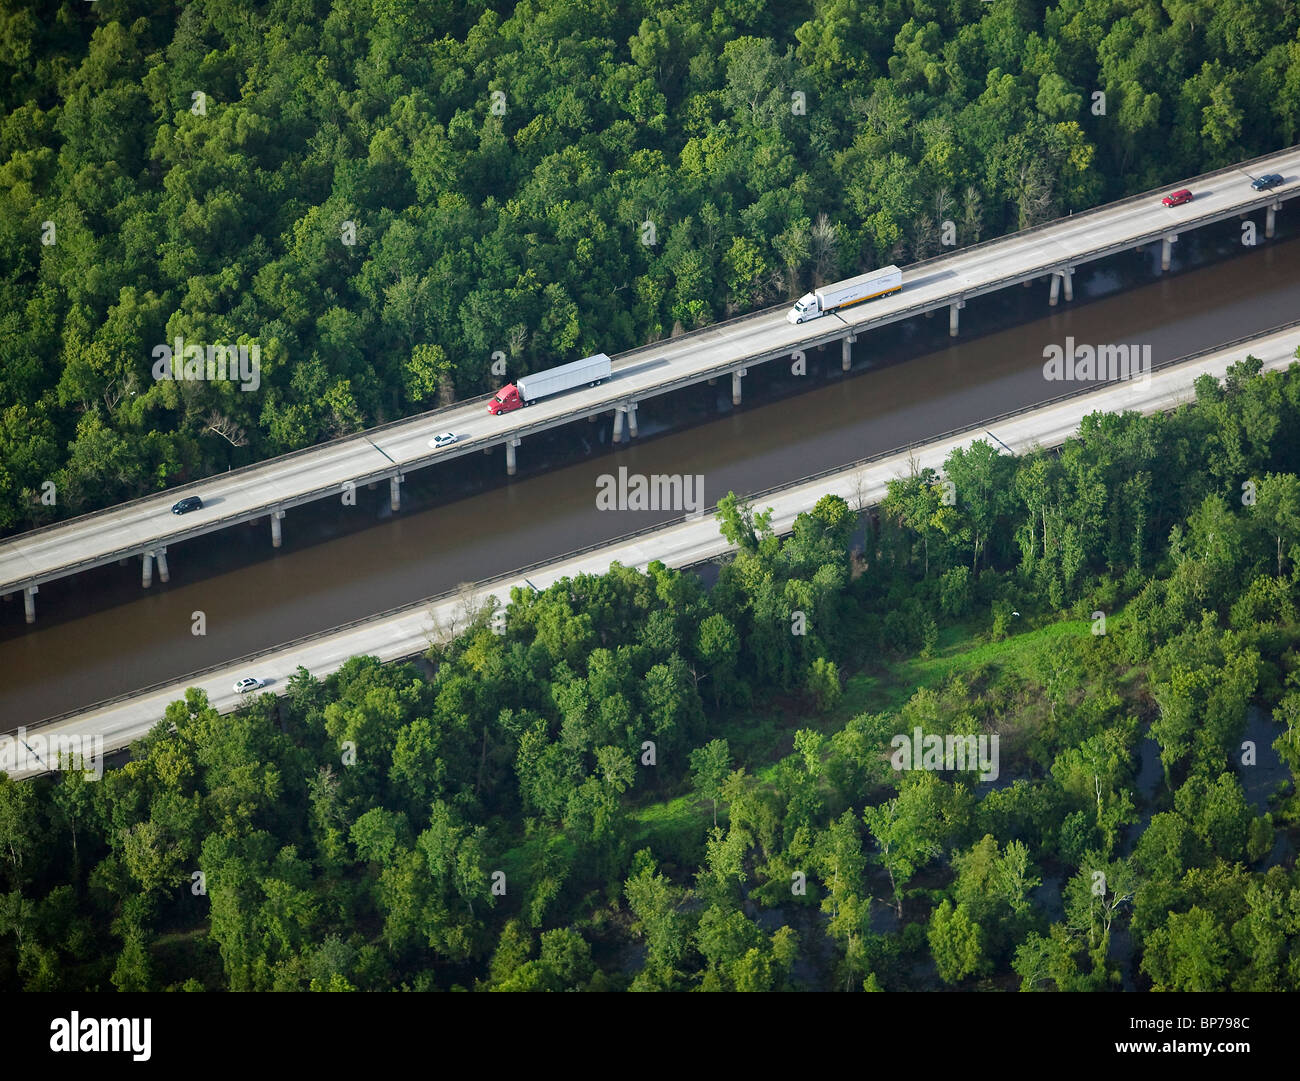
143,528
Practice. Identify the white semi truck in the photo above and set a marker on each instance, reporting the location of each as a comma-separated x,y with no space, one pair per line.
590,370
844,294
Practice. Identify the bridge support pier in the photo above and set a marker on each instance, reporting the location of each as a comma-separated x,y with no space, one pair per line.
846,352
510,456
954,318
1166,250
164,575
618,425
631,420
29,602
146,573
395,492
1059,276
736,377
276,517
1270,220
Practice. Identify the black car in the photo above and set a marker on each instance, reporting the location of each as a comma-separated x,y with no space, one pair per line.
1268,180
189,503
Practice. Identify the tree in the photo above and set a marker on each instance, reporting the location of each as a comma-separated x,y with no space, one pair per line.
982,480
840,863
917,503
824,244
758,81
427,373
710,767
20,832
1190,953
824,684
718,648
908,831
1094,899
956,943
1048,959
133,971
739,525
72,802
1277,511
656,906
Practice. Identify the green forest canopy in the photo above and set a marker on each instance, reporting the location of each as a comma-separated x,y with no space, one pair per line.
498,164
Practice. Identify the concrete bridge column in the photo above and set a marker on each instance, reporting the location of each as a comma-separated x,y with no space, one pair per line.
736,377
954,318
146,574
618,425
510,455
1166,250
1059,276
846,351
1270,220
631,420
163,574
29,602
276,517
395,492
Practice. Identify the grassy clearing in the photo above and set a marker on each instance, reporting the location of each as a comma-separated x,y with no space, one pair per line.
959,650
760,739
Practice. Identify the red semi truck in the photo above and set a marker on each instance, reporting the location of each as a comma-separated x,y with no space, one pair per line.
589,370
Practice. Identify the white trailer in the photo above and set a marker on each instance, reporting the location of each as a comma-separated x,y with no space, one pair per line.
844,294
589,370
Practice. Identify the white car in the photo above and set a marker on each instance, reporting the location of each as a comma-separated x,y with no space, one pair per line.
446,439
249,683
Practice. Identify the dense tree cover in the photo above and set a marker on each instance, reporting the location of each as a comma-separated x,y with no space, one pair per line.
637,783
380,194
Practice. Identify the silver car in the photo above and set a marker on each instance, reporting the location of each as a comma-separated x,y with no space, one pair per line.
249,683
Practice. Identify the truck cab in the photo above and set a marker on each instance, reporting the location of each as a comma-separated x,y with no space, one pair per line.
506,400
807,307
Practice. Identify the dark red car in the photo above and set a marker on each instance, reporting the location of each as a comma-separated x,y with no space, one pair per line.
1177,198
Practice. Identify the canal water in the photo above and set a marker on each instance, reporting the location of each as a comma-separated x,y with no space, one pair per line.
98,634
